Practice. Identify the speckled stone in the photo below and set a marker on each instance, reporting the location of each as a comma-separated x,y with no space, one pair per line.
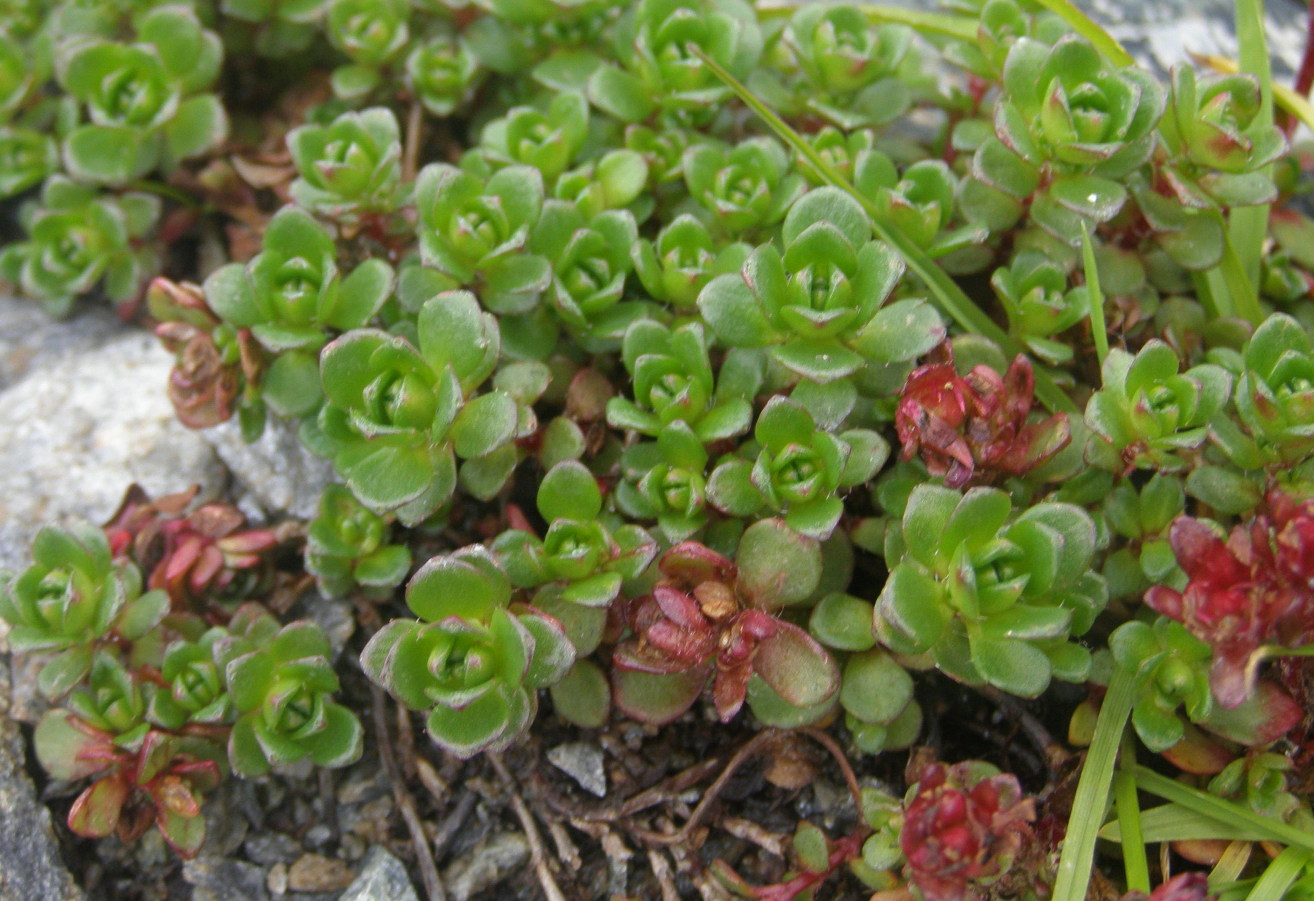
30,865
82,419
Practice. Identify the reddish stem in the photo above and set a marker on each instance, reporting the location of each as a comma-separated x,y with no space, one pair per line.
845,849
1305,74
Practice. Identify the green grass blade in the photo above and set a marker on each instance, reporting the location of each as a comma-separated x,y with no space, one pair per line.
1231,864
1098,330
1248,225
1092,797
1175,823
1134,860
1234,268
1225,811
1083,25
1280,874
944,291
963,28
928,24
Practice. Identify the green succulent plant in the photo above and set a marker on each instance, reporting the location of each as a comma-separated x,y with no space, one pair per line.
989,596
347,547
548,139
27,156
743,187
676,266
590,260
470,662
473,231
1274,398
78,237
371,33
291,298
195,688
74,599
674,382
396,417
1172,670
1035,294
580,565
145,100
799,470
1148,412
348,167
284,713
443,73
1220,141
659,72
817,306
1072,122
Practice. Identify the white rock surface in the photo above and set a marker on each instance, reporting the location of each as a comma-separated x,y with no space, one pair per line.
83,415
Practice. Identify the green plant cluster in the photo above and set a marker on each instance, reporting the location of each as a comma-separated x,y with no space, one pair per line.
149,696
678,351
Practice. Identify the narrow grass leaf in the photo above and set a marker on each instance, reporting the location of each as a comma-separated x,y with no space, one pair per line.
1265,828
946,293
1249,225
1175,823
1077,860
961,27
1083,25
1095,296
1231,863
1280,874
1134,860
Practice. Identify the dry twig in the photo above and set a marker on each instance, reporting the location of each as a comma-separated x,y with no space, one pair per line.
433,884
536,850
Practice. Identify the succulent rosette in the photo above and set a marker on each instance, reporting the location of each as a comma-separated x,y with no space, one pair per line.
73,599
703,621
471,662
397,417
347,546
350,166
281,698
975,427
1243,592
963,826
989,596
144,99
817,306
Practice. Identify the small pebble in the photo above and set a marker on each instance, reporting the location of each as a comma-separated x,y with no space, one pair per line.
486,864
317,873
268,848
583,762
317,836
382,878
277,879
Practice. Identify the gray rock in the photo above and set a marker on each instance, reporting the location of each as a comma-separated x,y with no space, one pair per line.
582,761
225,824
1165,33
269,848
486,864
224,879
81,424
30,865
278,475
382,878
30,338
335,616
